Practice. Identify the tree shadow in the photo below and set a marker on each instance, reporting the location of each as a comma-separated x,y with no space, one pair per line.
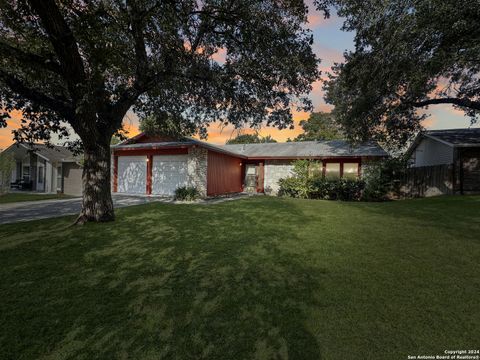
166,282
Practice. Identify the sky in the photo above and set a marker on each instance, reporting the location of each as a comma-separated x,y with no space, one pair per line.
329,45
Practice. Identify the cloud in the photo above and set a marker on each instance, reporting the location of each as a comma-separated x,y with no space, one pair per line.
6,136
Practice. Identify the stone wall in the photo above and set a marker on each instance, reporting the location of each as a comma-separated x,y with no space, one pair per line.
274,171
197,169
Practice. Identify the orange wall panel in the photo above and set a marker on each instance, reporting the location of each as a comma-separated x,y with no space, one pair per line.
224,174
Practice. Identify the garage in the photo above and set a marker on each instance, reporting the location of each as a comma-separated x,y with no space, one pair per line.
168,173
132,174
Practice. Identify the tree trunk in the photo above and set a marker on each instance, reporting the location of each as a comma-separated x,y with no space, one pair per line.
97,204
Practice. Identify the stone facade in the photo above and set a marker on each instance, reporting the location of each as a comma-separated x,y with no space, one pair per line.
274,171
197,169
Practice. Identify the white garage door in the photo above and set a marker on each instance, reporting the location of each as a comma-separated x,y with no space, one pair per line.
168,173
132,174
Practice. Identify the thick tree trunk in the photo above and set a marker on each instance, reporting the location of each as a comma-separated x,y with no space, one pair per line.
97,202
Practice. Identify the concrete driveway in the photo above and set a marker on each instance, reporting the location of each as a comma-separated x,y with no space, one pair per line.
43,209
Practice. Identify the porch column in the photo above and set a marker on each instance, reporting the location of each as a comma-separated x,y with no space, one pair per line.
149,174
115,173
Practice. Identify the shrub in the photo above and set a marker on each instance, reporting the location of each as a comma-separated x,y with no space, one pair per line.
186,193
294,187
383,179
336,189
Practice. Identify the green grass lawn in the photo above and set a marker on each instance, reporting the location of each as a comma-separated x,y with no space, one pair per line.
259,278
20,197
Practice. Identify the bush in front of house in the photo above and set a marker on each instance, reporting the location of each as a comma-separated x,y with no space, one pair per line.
336,189
186,193
321,188
383,179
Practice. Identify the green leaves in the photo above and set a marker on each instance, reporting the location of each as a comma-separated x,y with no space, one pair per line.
157,57
408,55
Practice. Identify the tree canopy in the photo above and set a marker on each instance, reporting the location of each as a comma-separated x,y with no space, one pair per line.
88,63
408,55
250,139
320,126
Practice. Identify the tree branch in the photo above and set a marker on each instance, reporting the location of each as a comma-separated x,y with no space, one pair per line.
136,23
475,105
30,59
63,42
62,107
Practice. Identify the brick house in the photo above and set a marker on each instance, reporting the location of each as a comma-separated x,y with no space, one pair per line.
158,165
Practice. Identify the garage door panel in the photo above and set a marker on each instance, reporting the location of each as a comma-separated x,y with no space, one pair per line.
169,173
132,174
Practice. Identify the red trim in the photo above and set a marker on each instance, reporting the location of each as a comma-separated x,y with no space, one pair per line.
115,173
152,151
149,174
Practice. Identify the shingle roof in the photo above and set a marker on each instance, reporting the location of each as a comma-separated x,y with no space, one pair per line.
55,154
292,150
330,148
457,137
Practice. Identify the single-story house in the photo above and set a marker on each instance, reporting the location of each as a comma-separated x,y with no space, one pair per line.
459,148
158,165
45,169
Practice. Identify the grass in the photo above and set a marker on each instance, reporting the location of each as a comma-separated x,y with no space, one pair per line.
259,278
20,197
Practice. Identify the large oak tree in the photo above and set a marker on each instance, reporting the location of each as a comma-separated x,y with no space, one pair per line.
86,63
408,55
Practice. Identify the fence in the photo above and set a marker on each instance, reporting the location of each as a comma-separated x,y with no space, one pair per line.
428,181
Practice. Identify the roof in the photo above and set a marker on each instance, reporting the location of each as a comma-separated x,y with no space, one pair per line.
456,137
54,153
330,148
304,149
173,144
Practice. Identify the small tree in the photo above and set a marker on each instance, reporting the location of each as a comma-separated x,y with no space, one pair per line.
320,126
251,139
7,164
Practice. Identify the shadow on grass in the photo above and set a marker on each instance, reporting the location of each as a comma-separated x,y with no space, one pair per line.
185,282
447,212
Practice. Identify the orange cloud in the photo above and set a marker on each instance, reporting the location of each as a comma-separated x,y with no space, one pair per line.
6,137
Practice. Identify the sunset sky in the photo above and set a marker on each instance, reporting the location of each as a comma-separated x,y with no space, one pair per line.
329,44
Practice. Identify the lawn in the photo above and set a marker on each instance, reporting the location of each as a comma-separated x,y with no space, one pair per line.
258,278
20,197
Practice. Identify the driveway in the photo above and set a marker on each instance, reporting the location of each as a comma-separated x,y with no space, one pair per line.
43,209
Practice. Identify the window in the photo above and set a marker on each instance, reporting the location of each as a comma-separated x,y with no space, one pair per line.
332,171
350,170
26,173
40,174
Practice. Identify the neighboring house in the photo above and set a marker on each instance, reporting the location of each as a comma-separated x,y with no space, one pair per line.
158,165
459,148
45,169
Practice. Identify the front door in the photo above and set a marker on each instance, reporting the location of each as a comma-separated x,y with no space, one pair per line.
254,177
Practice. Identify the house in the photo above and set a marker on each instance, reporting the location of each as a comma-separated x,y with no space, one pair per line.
45,169
158,165
458,148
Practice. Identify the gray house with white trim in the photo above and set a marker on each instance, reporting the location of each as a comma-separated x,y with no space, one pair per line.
45,169
459,148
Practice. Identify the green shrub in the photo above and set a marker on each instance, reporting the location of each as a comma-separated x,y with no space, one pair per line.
336,189
294,187
186,193
321,188
383,179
